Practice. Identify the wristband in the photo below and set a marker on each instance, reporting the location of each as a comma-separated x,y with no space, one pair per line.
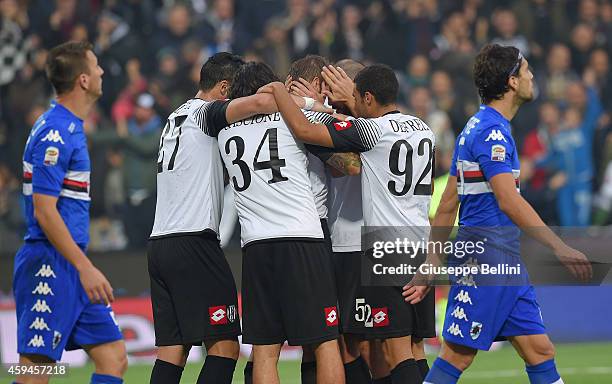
309,103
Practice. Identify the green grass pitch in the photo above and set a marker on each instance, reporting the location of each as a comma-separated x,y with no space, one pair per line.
577,363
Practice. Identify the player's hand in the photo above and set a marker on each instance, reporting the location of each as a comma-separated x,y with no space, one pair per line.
340,85
271,87
303,88
320,107
417,288
96,286
576,262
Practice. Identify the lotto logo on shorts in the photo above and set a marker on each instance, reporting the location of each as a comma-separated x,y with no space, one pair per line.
218,315
380,317
331,316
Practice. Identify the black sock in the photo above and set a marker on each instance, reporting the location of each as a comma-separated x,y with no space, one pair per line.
406,372
357,372
217,369
165,373
309,372
423,367
382,380
248,373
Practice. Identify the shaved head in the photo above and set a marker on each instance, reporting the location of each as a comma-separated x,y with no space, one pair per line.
350,66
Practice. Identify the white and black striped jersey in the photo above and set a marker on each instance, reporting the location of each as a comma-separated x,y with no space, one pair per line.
396,153
189,171
267,168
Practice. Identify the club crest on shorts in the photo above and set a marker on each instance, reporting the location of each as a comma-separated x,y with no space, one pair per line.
380,317
57,338
475,330
331,316
218,315
231,313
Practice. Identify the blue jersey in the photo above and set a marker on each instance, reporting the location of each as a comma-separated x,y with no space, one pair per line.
56,163
485,148
485,308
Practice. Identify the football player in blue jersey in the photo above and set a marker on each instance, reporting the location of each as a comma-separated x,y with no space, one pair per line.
484,179
62,300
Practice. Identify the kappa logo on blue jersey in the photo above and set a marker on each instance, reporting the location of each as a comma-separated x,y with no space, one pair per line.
467,280
39,324
41,306
45,271
455,330
43,289
496,135
463,297
459,313
36,341
53,136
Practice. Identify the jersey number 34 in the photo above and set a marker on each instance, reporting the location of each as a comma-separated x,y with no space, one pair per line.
274,163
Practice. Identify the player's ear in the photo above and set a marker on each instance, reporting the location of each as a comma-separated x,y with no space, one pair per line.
513,83
83,81
317,83
224,88
368,98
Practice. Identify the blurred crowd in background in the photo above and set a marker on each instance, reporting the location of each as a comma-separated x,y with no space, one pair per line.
152,51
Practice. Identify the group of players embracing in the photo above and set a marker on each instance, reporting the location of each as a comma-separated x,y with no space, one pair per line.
309,162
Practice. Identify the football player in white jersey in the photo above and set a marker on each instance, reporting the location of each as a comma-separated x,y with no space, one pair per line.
362,362
288,287
390,197
305,79
192,287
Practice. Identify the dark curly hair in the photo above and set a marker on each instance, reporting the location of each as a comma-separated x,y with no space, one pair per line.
249,78
380,81
493,67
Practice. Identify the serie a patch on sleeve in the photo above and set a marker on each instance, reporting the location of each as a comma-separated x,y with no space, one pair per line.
498,153
51,156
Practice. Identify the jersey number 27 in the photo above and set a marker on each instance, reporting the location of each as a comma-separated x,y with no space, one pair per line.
169,129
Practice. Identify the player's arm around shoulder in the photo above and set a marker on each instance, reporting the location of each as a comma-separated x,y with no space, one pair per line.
264,103
302,128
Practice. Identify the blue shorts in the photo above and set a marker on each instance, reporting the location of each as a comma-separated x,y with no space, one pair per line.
478,316
53,310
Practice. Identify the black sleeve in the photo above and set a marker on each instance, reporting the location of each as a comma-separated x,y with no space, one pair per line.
357,135
211,117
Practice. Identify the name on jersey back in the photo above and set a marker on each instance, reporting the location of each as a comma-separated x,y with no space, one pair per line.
256,120
408,126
